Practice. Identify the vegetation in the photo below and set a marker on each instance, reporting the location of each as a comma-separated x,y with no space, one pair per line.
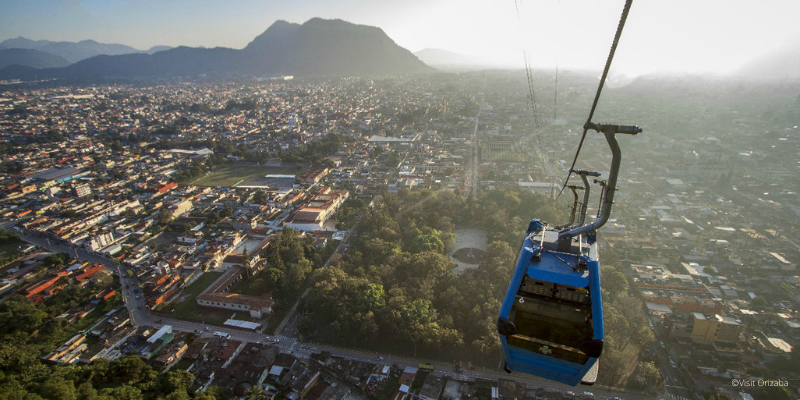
396,290
8,237
188,308
189,174
126,378
316,151
626,332
28,331
228,175
290,260
349,211
9,246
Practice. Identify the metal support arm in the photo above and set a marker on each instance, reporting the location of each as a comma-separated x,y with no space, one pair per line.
609,131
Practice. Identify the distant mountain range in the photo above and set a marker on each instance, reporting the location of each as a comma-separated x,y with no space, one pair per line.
74,52
779,64
444,57
31,58
318,47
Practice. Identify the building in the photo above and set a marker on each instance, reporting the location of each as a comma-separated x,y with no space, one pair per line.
81,190
99,241
256,306
312,216
313,176
217,296
708,329
180,207
432,388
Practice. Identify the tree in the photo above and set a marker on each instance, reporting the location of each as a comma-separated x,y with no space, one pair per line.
164,217
255,393
614,282
427,243
122,392
7,237
57,259
274,275
370,297
176,381
418,322
87,392
647,375
130,370
58,388
19,315
759,302
296,275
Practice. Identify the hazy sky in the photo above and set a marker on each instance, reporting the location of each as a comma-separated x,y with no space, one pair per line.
661,35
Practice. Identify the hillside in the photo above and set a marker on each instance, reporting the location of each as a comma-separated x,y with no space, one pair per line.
30,58
316,48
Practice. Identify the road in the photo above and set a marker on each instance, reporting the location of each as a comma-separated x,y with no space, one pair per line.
674,375
473,180
285,339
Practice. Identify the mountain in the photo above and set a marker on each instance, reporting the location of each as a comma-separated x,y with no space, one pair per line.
330,47
444,57
779,64
277,39
30,58
71,51
316,48
156,49
449,61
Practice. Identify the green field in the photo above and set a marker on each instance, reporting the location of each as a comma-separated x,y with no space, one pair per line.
201,283
187,307
231,175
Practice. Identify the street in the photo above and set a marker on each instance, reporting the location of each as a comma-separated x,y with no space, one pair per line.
285,337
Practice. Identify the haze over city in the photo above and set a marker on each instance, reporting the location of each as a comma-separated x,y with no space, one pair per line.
667,36
371,200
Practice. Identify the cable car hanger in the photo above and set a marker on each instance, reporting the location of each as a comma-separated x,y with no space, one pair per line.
551,319
610,58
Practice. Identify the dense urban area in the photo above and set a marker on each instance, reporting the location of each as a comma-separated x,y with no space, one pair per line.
353,238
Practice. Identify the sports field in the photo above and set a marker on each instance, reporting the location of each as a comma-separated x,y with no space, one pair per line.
233,175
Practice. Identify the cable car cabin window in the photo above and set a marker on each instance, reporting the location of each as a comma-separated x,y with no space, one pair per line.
552,319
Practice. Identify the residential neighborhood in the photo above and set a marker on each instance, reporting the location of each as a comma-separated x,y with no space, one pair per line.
171,206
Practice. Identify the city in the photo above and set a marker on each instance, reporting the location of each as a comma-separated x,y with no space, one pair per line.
382,200
153,217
